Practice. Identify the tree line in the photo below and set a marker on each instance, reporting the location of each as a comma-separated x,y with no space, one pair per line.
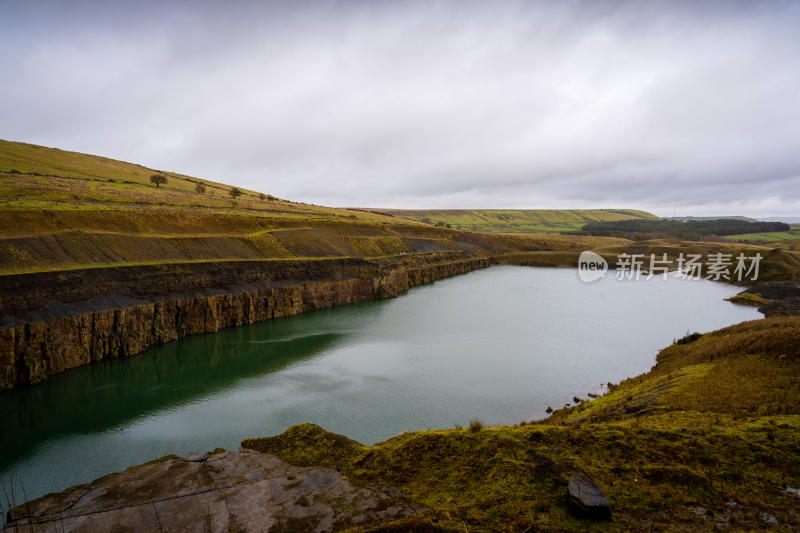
160,179
692,229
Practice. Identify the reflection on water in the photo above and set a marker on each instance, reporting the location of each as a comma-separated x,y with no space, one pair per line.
116,392
500,344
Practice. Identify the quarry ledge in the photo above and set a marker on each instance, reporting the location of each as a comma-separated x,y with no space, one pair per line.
114,315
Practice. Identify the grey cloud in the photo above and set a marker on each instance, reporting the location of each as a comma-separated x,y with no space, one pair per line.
658,105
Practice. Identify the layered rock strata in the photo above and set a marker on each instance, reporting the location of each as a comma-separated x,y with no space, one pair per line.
60,336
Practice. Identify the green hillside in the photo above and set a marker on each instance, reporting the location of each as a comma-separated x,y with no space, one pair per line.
771,237
66,210
517,220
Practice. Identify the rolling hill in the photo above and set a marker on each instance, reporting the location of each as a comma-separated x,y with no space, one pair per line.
66,210
517,220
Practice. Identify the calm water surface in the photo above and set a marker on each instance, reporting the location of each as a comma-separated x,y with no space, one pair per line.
500,344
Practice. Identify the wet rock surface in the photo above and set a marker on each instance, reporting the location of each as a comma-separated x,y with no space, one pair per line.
586,498
219,491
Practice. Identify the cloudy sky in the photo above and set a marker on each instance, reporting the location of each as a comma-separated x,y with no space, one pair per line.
688,107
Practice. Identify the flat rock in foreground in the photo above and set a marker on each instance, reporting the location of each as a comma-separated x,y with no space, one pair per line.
225,491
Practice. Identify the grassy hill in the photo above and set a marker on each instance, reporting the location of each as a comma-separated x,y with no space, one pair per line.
517,220
66,210
63,210
40,177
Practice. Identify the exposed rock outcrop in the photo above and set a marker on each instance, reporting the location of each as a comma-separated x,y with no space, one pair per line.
220,491
782,297
33,350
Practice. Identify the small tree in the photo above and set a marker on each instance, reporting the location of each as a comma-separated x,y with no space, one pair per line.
200,188
235,193
158,179
262,196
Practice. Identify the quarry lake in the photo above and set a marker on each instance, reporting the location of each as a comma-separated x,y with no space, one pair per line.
500,345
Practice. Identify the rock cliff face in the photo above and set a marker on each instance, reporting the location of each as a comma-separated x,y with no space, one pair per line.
33,350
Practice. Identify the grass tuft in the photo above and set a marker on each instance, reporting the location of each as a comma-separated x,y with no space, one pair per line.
475,425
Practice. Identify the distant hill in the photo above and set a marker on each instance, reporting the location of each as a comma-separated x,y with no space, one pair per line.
516,220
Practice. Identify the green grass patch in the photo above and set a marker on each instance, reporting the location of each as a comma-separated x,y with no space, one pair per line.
772,237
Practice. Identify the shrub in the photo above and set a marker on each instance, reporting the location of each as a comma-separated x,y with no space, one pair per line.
158,179
475,425
689,338
200,188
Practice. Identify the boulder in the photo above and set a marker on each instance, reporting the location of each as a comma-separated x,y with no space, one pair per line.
586,498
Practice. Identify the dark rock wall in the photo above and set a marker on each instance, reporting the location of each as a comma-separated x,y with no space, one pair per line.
34,350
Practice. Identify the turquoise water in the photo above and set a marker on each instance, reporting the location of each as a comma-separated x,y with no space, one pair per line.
500,345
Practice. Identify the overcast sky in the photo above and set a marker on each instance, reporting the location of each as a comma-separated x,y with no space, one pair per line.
689,107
